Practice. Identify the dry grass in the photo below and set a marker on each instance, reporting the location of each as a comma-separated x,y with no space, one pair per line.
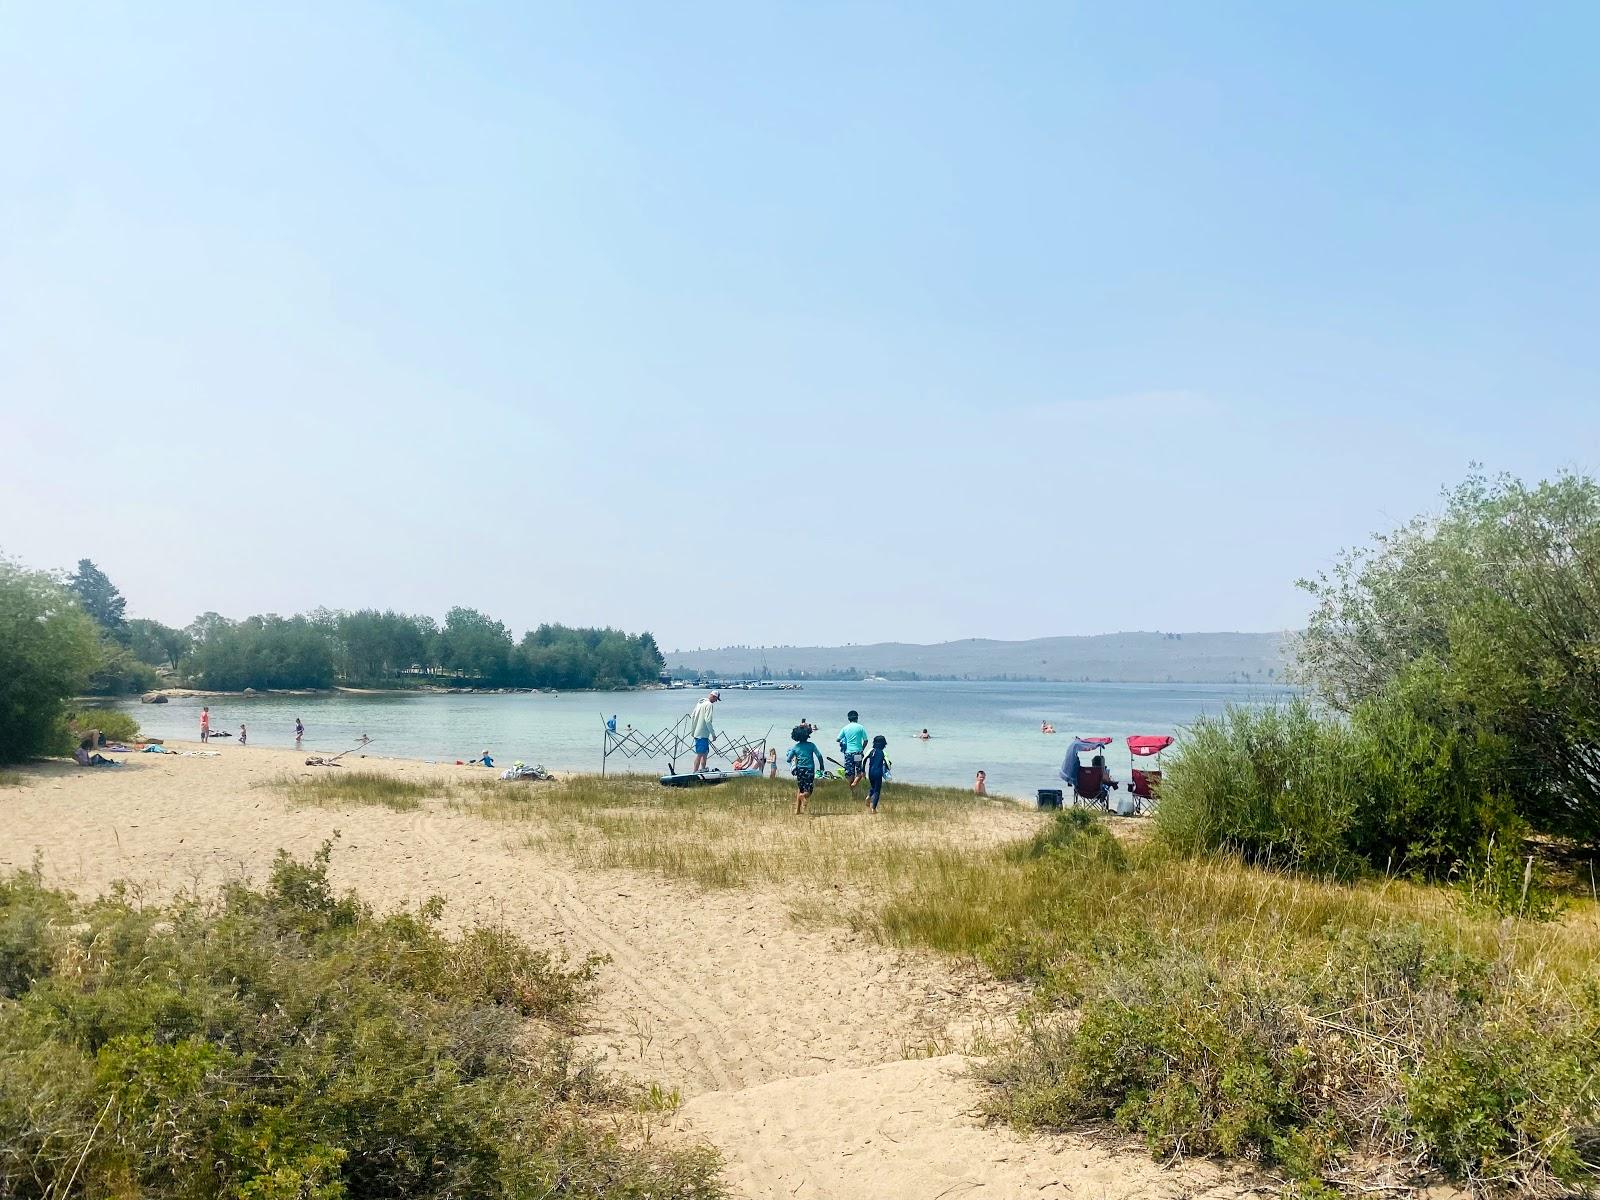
746,832
350,788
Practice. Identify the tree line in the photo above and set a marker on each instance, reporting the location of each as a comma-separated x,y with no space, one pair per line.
62,636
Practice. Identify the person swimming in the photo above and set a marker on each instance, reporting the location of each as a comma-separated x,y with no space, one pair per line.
1046,727
924,736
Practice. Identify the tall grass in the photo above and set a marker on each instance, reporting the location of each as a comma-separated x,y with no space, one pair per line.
745,832
349,788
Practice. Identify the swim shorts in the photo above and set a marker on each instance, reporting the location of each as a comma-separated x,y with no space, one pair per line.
806,778
852,765
702,745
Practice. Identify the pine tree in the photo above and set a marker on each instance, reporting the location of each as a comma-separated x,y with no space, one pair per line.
99,597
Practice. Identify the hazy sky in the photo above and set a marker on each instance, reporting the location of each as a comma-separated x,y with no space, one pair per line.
756,323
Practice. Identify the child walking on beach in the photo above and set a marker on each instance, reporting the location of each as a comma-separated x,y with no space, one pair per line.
806,759
243,735
877,766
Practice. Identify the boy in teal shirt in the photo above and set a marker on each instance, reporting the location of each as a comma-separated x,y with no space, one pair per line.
807,760
853,742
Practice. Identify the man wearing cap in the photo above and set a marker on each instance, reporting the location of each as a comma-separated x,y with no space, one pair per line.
700,730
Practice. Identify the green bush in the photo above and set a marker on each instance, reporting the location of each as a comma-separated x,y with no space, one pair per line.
114,724
1389,1039
1393,788
47,650
288,1043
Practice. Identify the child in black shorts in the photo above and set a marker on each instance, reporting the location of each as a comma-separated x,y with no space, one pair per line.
877,767
807,759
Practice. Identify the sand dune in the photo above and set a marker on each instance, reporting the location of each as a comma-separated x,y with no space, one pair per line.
792,1046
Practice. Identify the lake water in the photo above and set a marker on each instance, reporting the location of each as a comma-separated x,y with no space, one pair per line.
990,725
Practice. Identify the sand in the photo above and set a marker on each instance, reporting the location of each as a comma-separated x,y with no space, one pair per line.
800,1053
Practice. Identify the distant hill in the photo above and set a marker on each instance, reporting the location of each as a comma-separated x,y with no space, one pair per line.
1108,657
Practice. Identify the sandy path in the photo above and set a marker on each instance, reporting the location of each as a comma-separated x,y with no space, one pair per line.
790,1044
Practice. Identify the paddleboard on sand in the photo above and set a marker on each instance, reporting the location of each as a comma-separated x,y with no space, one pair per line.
704,778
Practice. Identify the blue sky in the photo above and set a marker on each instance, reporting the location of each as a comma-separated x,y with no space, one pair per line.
756,323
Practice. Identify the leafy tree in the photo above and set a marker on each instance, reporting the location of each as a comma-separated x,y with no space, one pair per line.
48,647
1496,602
157,644
560,656
262,651
475,644
99,597
374,646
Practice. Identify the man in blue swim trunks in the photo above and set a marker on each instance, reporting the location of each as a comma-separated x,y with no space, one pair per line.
853,741
701,731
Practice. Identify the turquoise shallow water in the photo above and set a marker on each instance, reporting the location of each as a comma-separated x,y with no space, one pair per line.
990,725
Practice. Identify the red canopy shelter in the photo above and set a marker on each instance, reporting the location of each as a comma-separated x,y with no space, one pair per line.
1096,741
1147,782
1143,745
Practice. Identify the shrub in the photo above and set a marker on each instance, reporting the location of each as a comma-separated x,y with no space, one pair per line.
114,724
47,649
288,1043
1392,788
1203,1033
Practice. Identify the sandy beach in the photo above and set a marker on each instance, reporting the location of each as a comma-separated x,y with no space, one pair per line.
819,1062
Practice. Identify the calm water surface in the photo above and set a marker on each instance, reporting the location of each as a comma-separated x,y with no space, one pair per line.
990,725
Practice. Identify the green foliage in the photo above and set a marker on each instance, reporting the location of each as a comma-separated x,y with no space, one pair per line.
260,652
1208,1007
375,646
370,647
120,673
476,645
48,647
1497,602
156,644
1387,789
98,597
559,656
287,1043
117,726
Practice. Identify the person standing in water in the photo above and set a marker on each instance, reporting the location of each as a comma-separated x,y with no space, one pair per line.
205,724
853,741
242,734
299,732
701,730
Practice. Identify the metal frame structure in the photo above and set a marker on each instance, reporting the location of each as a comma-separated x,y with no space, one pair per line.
670,742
